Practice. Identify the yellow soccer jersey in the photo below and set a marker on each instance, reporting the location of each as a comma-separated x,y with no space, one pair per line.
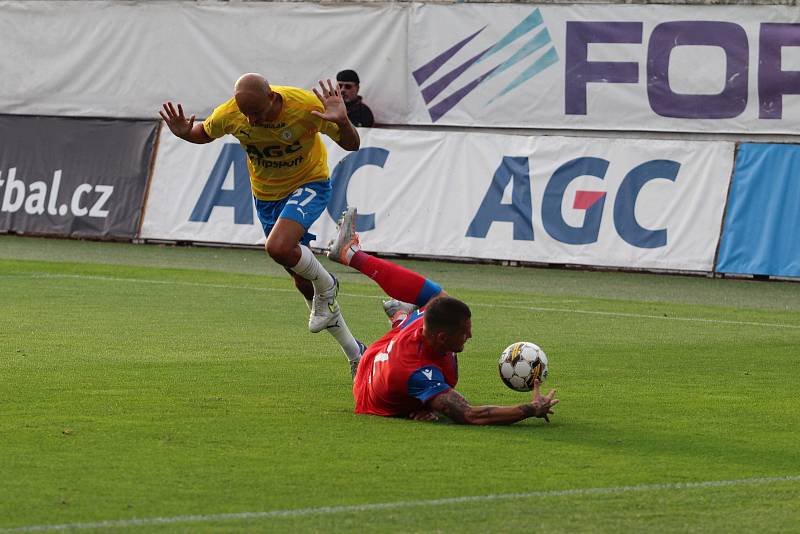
284,154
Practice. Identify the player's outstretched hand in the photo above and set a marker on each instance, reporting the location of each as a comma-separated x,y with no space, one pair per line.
424,415
331,98
176,121
543,404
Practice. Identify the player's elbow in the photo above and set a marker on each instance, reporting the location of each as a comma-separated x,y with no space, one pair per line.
352,145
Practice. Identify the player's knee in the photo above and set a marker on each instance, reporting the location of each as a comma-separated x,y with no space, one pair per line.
278,251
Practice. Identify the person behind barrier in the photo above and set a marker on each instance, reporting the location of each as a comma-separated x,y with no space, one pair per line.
357,111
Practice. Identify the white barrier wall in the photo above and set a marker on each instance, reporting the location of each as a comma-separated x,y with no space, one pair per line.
606,202
124,59
602,67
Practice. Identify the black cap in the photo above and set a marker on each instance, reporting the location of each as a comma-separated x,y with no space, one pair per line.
348,76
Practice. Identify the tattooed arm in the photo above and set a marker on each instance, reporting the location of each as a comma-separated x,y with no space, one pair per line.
452,404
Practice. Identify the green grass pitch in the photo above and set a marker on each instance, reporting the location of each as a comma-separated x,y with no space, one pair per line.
159,389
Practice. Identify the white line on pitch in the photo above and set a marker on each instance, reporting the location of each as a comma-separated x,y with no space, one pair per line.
356,508
478,304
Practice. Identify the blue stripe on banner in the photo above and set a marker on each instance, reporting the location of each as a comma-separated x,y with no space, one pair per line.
762,221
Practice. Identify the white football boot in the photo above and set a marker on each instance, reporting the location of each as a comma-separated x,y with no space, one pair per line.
397,310
346,243
324,309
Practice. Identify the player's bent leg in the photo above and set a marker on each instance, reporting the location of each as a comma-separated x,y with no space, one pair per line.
286,223
304,286
283,242
398,282
281,248
352,348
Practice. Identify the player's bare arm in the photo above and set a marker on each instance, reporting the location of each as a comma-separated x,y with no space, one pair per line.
336,111
183,127
452,404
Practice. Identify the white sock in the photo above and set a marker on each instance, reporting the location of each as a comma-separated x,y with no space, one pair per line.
310,268
342,335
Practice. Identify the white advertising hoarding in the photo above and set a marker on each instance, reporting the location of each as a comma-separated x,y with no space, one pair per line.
124,59
599,66
604,202
608,67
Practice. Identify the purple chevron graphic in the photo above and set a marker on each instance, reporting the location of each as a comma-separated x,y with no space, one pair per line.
433,90
448,103
501,50
427,70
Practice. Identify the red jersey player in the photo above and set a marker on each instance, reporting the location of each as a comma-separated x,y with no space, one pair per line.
413,369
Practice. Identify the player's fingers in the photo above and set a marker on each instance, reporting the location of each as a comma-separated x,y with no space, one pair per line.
317,114
546,418
322,87
170,109
162,115
180,112
553,402
319,96
536,387
191,120
333,90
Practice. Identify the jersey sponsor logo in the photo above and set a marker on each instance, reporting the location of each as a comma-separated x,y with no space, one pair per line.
538,44
278,164
272,151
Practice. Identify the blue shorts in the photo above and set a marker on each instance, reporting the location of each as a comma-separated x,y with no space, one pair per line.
304,206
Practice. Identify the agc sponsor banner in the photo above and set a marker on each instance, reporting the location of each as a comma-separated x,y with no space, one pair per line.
605,202
73,177
201,193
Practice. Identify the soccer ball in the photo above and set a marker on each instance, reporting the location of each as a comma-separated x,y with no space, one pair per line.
521,364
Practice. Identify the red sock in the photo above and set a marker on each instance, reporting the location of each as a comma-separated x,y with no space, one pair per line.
398,282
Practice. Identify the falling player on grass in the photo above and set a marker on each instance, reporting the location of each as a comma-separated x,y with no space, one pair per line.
413,369
278,128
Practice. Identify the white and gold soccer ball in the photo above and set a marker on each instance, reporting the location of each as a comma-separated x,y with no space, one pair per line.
522,363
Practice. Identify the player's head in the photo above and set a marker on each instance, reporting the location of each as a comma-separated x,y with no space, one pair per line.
447,323
256,99
348,84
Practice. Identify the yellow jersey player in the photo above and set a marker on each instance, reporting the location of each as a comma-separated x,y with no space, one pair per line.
279,127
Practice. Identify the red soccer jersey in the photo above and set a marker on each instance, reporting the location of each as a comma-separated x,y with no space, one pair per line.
400,372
